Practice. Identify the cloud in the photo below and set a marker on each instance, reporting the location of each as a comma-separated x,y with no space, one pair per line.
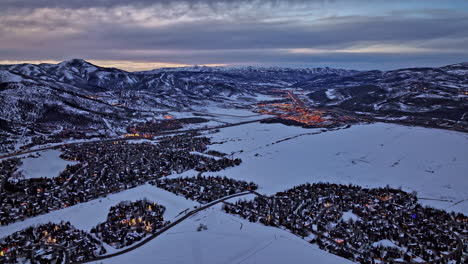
212,4
228,32
330,33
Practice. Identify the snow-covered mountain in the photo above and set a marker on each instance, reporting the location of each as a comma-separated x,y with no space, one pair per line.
179,87
252,71
76,72
77,94
190,80
417,90
427,93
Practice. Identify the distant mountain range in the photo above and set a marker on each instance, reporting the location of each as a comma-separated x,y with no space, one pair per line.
191,80
28,89
440,93
77,93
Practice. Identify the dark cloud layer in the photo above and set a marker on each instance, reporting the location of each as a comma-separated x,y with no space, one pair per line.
207,35
15,4
270,32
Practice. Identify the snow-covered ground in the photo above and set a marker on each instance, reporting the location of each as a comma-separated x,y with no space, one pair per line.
350,216
221,113
216,114
255,97
39,147
227,115
208,124
384,243
45,163
228,239
87,215
432,162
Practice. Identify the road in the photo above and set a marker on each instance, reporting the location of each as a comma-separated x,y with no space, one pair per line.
164,133
164,229
296,99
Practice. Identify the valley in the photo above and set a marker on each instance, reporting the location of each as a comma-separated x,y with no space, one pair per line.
216,169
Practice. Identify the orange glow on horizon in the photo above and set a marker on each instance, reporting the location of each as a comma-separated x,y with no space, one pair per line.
130,66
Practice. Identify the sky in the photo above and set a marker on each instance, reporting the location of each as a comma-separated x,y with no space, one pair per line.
146,34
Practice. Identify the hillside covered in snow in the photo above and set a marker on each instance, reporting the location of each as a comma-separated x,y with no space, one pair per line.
78,97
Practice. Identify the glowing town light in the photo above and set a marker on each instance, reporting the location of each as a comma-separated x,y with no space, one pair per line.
148,226
132,135
51,240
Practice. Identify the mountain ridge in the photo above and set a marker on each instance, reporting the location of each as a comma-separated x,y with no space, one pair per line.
76,94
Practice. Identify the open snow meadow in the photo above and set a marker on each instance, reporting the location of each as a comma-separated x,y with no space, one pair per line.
86,215
44,164
432,162
228,240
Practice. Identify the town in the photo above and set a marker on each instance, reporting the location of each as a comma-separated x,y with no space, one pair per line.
49,243
129,222
204,189
365,225
158,125
233,132
380,225
291,110
103,168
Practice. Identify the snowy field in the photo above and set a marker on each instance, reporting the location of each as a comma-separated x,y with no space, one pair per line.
432,162
87,215
217,115
225,115
229,113
228,239
222,113
45,163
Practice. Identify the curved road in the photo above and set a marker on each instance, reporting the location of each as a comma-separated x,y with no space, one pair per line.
164,229
164,133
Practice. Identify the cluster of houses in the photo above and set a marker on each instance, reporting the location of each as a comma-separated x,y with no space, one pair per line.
294,114
104,168
46,133
364,225
129,222
204,189
167,124
380,225
8,169
49,243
